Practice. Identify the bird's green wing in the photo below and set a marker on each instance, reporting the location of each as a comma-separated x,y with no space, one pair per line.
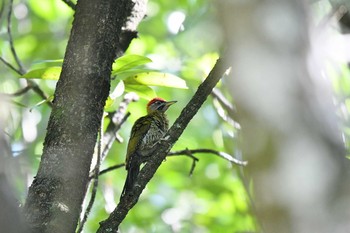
138,131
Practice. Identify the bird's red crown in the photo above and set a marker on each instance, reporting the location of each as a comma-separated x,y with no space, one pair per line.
154,100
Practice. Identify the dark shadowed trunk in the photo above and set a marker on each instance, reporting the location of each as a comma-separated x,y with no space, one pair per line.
100,32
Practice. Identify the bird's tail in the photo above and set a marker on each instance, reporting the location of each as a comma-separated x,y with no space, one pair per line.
133,172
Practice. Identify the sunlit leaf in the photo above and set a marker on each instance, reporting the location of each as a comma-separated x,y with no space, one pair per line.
143,91
157,79
49,10
47,63
344,80
121,75
109,104
117,90
128,62
49,73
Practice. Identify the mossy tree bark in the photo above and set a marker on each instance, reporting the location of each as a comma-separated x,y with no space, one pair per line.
101,31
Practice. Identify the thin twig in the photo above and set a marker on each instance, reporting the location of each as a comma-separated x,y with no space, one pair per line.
193,166
111,168
40,92
9,33
231,111
95,182
194,160
10,66
2,10
117,120
21,91
30,84
221,154
117,166
187,153
20,70
70,4
111,134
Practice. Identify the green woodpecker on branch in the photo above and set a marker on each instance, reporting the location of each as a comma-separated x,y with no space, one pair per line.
145,133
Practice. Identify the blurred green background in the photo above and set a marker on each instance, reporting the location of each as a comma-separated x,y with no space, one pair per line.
182,38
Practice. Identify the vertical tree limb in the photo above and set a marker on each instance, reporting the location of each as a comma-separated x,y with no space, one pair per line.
56,194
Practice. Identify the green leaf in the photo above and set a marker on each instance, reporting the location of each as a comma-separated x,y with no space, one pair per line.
121,75
49,10
157,79
128,62
109,104
46,64
117,89
143,91
50,73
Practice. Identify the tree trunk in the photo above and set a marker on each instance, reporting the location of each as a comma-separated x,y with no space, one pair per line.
100,32
289,130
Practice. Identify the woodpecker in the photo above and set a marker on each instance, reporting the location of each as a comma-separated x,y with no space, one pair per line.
145,133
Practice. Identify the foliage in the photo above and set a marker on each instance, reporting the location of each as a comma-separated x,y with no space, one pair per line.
125,69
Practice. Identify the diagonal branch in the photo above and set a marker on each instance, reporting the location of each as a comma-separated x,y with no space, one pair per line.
128,201
2,8
189,153
231,111
21,91
70,4
9,65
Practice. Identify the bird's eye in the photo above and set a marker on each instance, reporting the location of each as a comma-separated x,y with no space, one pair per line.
160,105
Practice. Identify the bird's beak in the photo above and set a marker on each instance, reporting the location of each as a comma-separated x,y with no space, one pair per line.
168,103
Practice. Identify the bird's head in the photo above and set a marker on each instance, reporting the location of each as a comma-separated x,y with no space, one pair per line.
158,104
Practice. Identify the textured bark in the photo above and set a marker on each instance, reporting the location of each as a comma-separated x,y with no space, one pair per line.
98,35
